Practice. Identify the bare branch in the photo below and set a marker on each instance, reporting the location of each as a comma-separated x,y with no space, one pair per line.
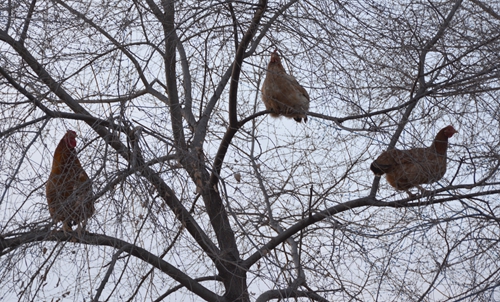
13,242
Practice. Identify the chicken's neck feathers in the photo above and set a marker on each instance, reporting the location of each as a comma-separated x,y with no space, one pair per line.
276,67
63,158
440,143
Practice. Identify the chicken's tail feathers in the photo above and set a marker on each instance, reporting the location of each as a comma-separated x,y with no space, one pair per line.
378,169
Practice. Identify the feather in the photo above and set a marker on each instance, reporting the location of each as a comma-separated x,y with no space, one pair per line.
282,94
405,169
69,189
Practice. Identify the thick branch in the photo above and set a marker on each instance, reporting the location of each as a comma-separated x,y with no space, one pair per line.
302,224
188,102
283,294
176,288
201,129
422,90
164,190
27,21
108,273
171,41
133,250
10,130
238,62
486,8
352,204
54,114
233,92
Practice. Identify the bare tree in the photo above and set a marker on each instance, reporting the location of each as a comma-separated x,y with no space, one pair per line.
201,195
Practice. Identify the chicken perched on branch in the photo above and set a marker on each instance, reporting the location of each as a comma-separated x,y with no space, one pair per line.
406,169
282,94
69,189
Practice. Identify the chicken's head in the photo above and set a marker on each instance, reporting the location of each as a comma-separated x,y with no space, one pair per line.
449,131
275,57
70,138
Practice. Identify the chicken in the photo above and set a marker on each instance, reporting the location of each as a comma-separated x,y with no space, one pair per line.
69,189
406,169
282,94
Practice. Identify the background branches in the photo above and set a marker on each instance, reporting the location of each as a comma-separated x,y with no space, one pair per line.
201,195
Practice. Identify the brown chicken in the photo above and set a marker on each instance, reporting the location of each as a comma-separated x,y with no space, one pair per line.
282,94
406,169
69,189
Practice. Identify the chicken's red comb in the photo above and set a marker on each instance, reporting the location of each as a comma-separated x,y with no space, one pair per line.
275,57
70,138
